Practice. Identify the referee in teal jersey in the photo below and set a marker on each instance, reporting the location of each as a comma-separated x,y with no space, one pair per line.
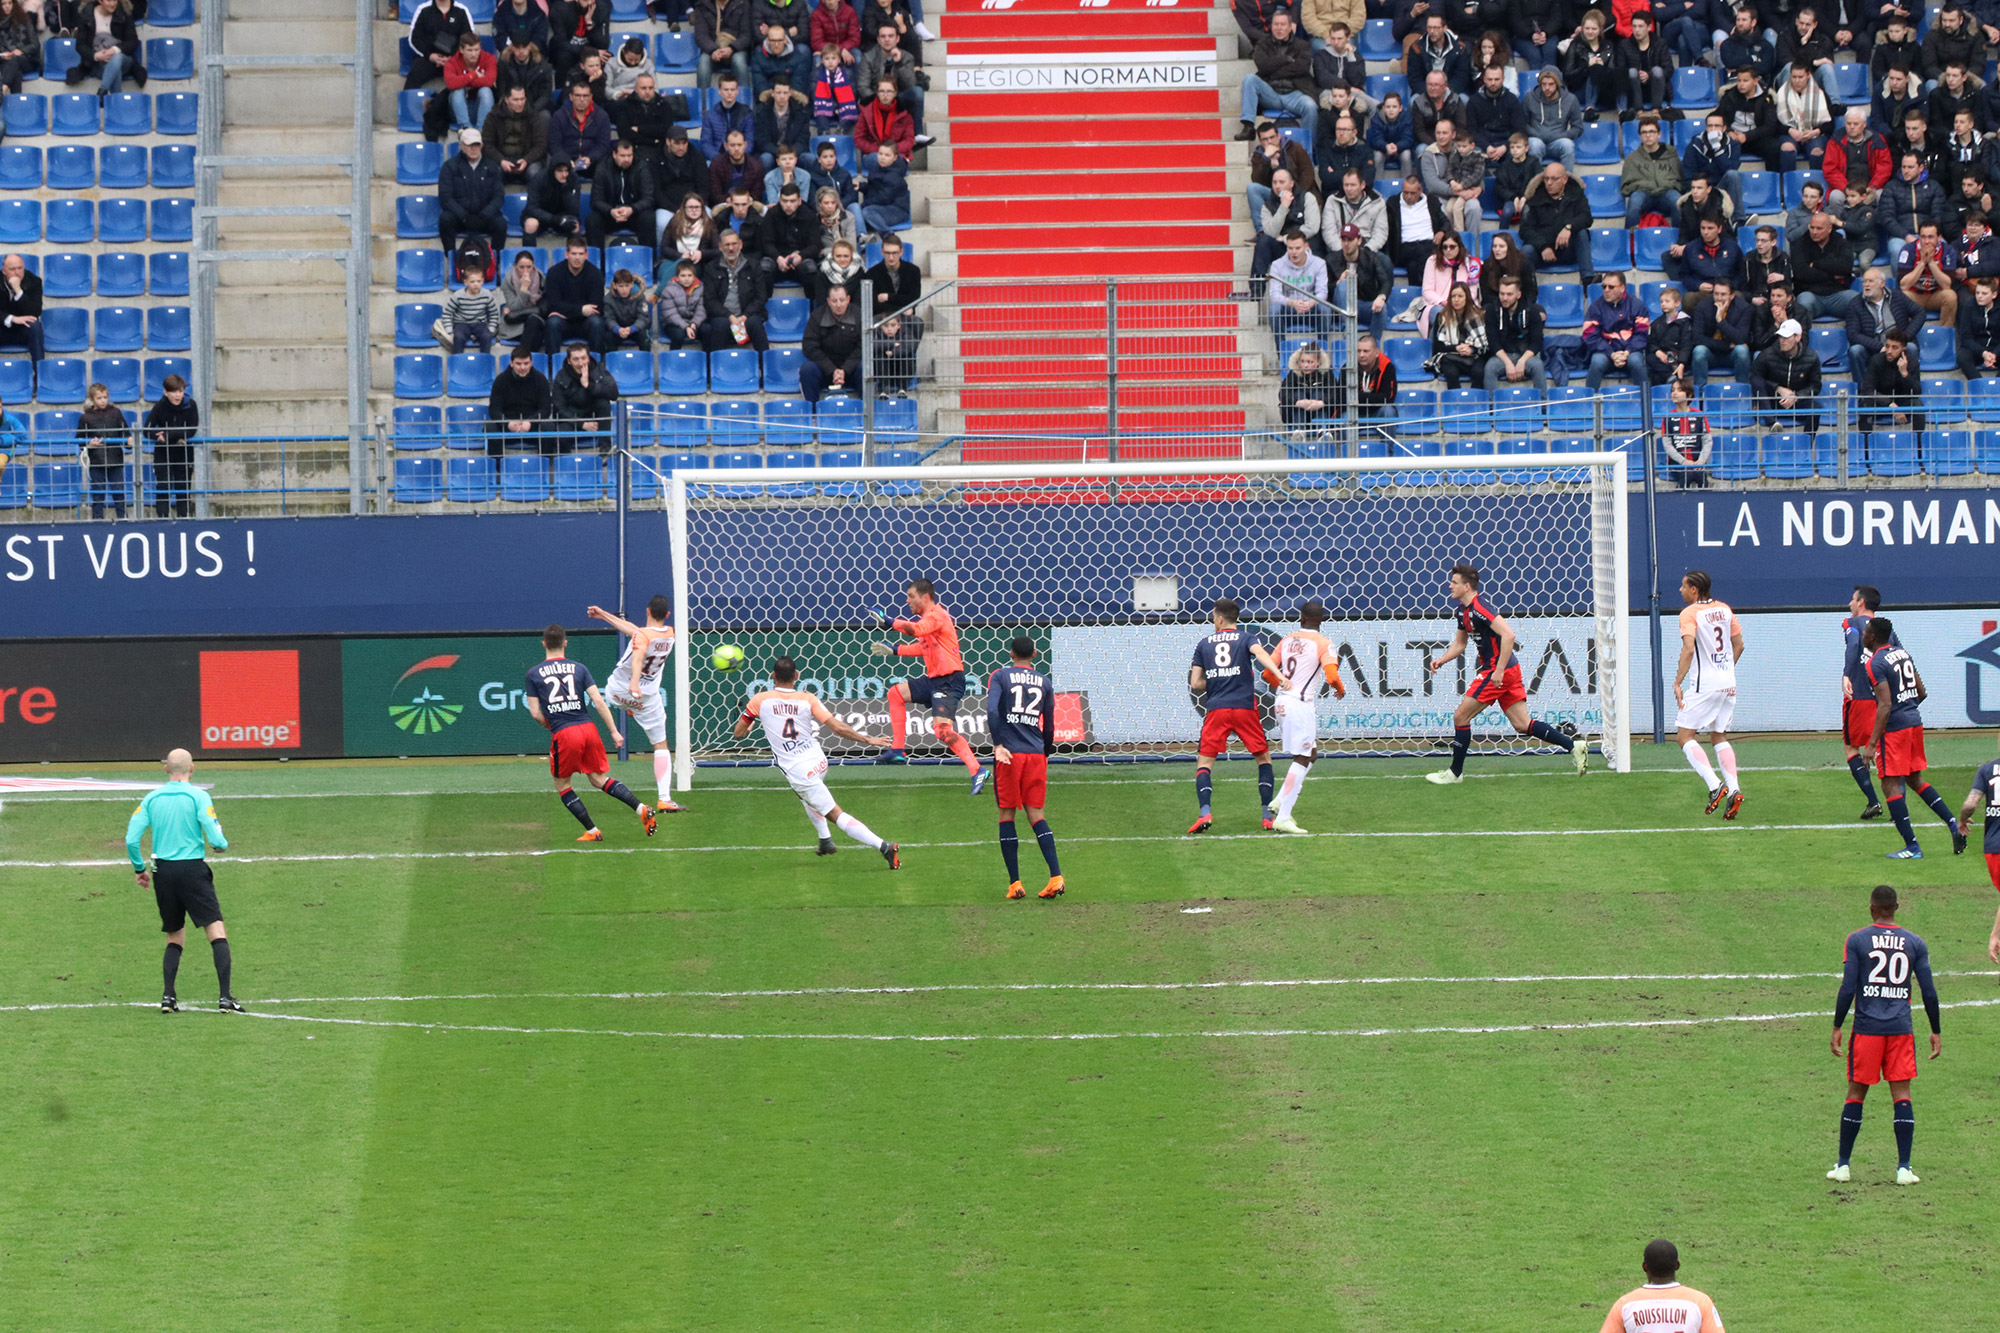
180,814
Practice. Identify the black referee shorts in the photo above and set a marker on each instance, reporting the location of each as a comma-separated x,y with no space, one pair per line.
185,890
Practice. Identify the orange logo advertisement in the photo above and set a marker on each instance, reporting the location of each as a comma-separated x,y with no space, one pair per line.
250,700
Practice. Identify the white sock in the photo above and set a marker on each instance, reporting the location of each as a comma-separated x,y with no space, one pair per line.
818,823
858,831
1288,790
1698,761
663,773
1725,754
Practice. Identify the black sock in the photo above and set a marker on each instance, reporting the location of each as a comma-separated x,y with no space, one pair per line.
1937,805
618,791
1010,850
170,967
1542,731
1461,742
1858,766
1045,838
1850,1129
1906,1131
575,804
1899,810
221,948
1266,784
1204,788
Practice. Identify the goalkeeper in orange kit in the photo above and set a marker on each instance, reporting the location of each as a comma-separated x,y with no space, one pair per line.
942,685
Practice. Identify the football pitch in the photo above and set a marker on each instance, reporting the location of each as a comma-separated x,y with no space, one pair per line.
1446,1065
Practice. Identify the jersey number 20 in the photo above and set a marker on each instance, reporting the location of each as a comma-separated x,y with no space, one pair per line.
1893,967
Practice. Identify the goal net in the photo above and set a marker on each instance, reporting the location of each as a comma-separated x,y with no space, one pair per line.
1112,570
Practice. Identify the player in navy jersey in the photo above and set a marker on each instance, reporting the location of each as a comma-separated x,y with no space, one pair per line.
1881,962
1897,741
1857,703
1021,718
1497,680
559,691
1225,673
1986,791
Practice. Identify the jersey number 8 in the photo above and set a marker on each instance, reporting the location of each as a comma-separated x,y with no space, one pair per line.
1222,654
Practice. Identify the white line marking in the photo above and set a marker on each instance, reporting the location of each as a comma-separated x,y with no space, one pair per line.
1195,911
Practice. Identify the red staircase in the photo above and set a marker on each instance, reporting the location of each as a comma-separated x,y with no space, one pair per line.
1058,191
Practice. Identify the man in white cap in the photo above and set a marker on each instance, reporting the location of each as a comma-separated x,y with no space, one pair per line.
1786,380
471,195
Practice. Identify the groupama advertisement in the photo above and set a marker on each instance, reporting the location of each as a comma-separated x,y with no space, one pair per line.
453,695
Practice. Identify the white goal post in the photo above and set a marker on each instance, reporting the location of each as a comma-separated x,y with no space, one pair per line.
1112,569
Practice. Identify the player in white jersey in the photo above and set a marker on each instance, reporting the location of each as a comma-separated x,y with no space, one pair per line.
1705,688
1300,672
1665,1304
638,693
791,719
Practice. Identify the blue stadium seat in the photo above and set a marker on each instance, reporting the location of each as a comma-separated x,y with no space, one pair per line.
416,426
170,13
733,370
737,460
1937,347
419,480
1610,249
71,221
420,270
1792,184
1464,412
1296,134
579,478
1649,297
1408,356
524,478
167,273
632,371
898,458
20,221
638,258
1831,344
62,380
788,423
1694,88
122,222
1602,192
121,273
465,426
675,53
470,375
838,423
410,109
55,433
420,375
736,423
785,318
1733,457
1401,298
1517,409
65,275
418,163
17,379
416,217
1893,453
173,166
513,207
157,368
682,425
1982,399
413,323
683,371
20,167
1948,453
1597,146
128,114
896,421
1562,304
169,59
1380,86
646,477
124,167
58,485
173,220
1416,411
469,481
1787,455
26,115
840,458
120,374
169,329
1850,83
1760,192
14,487
59,57
790,458
781,369
1944,401
1377,41
119,328
1728,406
177,114
74,114
1649,246
72,166
1569,409
65,328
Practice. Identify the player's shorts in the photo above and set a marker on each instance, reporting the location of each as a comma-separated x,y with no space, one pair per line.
649,711
809,785
1709,710
1219,724
941,693
1504,689
1022,782
1993,868
577,748
1902,753
1873,1057
1298,725
1857,721
185,891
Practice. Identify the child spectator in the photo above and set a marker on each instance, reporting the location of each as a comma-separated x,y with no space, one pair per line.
834,109
682,304
473,314
829,174
101,431
1512,175
171,425
895,357
786,171
885,194
625,322
1393,136
633,62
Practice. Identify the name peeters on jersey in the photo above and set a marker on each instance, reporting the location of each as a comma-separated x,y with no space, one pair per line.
1897,667
1880,964
1224,659
1021,710
563,687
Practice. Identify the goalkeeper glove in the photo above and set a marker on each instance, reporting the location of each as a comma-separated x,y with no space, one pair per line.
884,619
882,649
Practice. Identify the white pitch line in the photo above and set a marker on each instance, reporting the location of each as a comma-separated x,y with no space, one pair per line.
598,849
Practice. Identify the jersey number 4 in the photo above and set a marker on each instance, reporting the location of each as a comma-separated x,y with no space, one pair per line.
1892,967
791,729
1027,698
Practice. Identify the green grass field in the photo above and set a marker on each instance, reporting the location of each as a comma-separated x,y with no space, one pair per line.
560,1110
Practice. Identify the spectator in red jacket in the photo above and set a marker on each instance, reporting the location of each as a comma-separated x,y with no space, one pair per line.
884,120
837,25
1857,166
469,76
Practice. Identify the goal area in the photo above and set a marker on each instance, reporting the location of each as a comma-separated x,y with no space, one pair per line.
1112,570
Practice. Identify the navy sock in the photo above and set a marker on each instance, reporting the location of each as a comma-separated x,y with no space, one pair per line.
1937,805
1010,850
1204,788
1899,810
1542,731
170,967
1906,1131
1266,784
1850,1129
618,791
221,948
1045,838
574,803
1461,741
1858,766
